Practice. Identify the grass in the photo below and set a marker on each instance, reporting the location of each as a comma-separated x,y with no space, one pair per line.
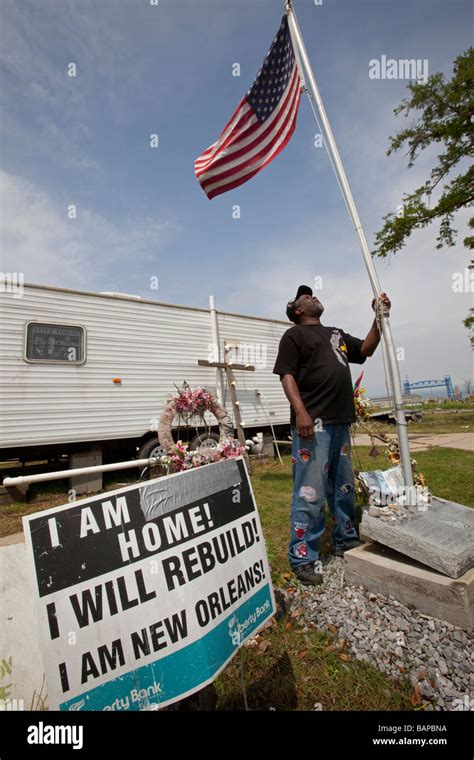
447,405
53,494
291,668
448,472
455,421
440,406
434,421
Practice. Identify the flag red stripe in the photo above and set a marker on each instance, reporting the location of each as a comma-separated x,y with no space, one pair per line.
232,185
262,124
238,128
270,151
205,158
245,126
257,160
232,157
258,132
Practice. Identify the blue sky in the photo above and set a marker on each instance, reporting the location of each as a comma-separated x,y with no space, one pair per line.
167,69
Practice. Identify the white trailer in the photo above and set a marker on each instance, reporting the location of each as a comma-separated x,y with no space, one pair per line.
81,370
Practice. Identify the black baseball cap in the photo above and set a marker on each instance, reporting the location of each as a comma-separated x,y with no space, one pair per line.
303,290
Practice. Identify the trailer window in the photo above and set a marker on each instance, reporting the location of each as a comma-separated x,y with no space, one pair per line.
54,343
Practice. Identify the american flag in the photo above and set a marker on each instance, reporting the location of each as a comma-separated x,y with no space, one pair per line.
262,124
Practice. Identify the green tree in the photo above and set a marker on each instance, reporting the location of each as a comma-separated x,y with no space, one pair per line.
447,109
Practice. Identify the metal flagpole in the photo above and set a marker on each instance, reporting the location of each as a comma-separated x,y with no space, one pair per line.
394,370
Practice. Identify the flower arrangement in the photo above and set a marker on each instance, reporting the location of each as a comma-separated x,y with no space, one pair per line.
189,401
181,458
362,406
393,453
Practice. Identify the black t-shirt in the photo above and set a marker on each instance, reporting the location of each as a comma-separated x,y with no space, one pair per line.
318,358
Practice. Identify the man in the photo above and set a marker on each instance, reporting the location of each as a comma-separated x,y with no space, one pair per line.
313,365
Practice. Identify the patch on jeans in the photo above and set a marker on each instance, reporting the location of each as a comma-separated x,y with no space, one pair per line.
345,450
348,526
305,454
301,550
300,530
307,493
347,489
293,459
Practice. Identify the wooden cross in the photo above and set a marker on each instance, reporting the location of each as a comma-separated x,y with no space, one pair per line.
229,368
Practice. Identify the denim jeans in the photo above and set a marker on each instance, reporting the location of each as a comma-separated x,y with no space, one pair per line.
322,471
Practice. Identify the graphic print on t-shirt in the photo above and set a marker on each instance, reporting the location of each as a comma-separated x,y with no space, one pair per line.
318,357
339,347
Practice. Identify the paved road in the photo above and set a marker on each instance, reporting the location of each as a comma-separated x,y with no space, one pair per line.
419,442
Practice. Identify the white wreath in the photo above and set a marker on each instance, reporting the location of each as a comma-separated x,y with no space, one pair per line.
226,428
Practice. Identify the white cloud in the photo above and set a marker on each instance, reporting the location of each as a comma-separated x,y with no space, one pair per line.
426,315
89,252
39,39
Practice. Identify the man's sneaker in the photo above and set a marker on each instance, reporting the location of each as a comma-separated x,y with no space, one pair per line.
307,575
353,544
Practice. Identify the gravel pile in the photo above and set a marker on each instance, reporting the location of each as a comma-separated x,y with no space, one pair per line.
437,657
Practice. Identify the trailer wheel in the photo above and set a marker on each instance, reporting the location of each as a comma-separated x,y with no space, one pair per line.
205,441
152,448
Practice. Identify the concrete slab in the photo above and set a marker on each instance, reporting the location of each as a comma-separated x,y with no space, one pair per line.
22,676
88,483
387,572
442,537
